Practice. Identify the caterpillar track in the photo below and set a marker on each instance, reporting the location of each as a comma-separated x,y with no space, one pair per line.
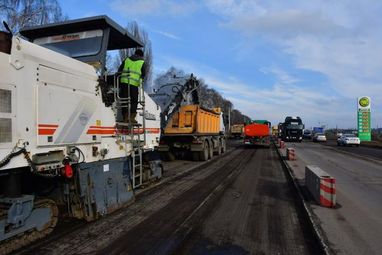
26,238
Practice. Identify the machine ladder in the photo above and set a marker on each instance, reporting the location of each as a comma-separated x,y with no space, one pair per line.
135,131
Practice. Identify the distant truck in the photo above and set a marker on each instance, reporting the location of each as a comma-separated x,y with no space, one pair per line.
237,131
275,131
307,134
280,130
292,129
257,133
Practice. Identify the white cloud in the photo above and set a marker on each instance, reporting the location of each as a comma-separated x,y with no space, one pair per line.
169,35
132,8
341,41
281,75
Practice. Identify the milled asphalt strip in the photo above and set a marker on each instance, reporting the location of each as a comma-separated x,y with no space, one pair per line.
182,174
158,230
317,230
185,230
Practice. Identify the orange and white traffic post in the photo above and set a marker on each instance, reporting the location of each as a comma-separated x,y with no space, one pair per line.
291,154
328,192
321,185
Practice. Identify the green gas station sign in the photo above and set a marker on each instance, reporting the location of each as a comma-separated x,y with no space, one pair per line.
363,118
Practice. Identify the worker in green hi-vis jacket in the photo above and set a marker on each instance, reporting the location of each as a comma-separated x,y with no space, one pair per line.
133,73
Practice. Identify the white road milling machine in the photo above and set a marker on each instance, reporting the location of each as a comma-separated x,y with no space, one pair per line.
62,147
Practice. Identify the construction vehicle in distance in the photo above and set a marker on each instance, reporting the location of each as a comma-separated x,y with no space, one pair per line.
188,129
280,130
237,131
292,129
275,132
63,148
257,132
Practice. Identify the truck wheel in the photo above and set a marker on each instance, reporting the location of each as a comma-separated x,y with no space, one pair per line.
210,150
223,146
203,155
219,149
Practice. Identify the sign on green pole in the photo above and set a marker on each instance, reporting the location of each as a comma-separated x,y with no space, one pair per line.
363,118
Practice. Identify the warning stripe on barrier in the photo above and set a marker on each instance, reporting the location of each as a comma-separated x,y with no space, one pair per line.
326,202
327,192
327,189
291,154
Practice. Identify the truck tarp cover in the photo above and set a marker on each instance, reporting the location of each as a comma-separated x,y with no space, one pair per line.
255,129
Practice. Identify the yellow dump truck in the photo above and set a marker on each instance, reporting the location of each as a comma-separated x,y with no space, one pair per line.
194,130
275,131
237,131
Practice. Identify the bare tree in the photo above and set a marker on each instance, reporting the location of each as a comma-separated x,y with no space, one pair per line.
208,97
134,29
22,13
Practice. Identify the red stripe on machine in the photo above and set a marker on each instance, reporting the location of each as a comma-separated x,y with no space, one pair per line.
44,131
152,130
98,130
47,129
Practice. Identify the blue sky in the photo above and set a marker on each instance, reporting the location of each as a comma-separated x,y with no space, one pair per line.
270,58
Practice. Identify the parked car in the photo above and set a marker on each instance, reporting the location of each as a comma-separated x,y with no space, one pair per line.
319,137
307,134
348,139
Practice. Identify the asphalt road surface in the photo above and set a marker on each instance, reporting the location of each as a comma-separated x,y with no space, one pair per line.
370,152
256,215
237,203
355,226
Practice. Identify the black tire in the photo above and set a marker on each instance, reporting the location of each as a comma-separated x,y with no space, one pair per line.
210,150
223,146
203,155
219,149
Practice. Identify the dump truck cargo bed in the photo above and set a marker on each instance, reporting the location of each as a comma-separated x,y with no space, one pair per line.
193,119
256,130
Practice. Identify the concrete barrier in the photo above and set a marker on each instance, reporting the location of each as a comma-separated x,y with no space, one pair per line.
291,154
321,185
